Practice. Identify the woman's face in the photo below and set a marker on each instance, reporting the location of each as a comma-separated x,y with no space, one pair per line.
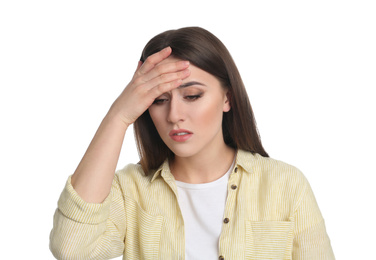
189,118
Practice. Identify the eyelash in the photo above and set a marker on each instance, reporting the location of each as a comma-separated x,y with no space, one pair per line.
189,98
193,97
159,101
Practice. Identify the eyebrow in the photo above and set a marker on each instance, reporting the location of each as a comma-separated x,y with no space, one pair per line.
191,83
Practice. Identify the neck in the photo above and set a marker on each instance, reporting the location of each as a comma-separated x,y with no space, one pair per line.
203,168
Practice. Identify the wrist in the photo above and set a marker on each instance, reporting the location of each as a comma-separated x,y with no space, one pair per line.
115,118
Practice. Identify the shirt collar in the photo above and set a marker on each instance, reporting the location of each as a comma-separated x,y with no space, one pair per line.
163,170
244,159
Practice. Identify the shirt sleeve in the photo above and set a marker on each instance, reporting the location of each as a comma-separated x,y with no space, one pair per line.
84,230
311,241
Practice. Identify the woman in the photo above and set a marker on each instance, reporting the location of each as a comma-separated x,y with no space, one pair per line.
204,188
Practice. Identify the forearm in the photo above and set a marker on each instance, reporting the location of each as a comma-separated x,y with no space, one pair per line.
94,175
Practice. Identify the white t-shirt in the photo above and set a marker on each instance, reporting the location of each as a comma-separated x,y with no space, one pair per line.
202,206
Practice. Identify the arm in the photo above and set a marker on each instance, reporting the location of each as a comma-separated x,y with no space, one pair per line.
311,241
90,220
93,176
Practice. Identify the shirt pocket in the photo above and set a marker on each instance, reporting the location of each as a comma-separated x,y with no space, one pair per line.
267,239
143,234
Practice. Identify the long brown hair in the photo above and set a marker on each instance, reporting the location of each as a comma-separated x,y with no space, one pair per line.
207,52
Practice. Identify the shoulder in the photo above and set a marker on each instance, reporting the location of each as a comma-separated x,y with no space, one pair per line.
275,179
132,174
131,168
272,170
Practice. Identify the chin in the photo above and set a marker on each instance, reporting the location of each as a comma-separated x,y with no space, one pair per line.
183,152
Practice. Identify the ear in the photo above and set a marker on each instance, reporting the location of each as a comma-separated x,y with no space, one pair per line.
227,105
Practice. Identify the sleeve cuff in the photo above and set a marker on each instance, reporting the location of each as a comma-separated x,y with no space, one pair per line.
74,207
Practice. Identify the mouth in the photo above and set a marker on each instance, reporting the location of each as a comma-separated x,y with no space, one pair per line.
180,132
180,135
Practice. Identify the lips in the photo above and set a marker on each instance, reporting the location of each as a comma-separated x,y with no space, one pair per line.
180,135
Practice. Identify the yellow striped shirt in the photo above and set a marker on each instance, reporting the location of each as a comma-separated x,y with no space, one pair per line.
270,213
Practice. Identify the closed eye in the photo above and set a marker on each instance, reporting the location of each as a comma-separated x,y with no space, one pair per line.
192,97
160,101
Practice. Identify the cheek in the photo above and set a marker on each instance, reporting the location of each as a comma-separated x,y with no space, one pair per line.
155,116
209,115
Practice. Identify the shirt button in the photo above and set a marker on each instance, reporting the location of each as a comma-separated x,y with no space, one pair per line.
226,220
236,169
221,258
233,186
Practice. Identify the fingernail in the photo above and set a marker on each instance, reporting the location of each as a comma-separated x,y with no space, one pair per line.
167,48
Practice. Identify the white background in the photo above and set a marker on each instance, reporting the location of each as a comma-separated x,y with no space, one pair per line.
309,68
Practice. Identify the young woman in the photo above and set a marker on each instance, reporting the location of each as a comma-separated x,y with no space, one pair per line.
204,188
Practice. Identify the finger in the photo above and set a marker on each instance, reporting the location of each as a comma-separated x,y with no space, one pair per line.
167,78
161,69
139,65
154,59
163,88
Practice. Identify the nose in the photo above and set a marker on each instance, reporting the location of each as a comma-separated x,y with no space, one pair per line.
176,111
